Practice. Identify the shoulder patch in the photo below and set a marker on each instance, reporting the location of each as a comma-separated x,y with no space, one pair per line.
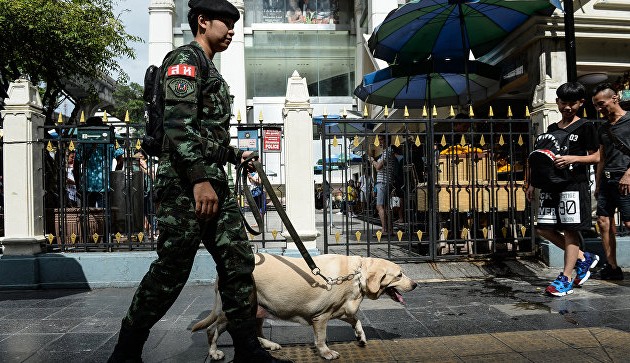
181,70
180,87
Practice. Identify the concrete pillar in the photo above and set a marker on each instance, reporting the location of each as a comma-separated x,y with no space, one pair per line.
22,160
298,139
552,72
233,65
160,30
379,10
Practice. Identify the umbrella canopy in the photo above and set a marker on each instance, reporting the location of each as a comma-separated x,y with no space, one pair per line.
450,28
400,86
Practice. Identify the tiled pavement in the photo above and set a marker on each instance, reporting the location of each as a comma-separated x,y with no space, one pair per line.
492,319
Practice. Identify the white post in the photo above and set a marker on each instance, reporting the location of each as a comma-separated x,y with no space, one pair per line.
233,65
298,140
552,74
160,30
379,10
22,160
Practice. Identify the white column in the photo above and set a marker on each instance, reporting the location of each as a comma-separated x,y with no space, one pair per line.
160,30
22,160
552,72
298,140
379,10
233,65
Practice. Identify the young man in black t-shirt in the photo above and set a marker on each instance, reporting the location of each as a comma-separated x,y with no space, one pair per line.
613,174
561,216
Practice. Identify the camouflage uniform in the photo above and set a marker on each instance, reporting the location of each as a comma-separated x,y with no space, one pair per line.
182,164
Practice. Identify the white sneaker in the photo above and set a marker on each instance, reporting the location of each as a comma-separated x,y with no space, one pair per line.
338,213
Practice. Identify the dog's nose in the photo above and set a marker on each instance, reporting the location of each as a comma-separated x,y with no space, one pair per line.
415,284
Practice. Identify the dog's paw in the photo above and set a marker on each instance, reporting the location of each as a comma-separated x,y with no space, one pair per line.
329,354
216,354
361,342
268,344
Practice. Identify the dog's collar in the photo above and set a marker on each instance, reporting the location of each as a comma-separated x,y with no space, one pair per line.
349,277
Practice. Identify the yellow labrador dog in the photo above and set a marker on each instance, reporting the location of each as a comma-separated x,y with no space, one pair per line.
287,290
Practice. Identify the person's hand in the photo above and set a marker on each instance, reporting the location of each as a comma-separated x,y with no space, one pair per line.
529,193
206,200
564,161
624,184
250,166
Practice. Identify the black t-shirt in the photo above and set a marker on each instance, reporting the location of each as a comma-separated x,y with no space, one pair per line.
580,142
614,159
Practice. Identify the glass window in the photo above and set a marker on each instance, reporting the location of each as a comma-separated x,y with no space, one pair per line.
298,11
324,58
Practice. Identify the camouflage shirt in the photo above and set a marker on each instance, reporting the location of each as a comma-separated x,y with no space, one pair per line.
187,130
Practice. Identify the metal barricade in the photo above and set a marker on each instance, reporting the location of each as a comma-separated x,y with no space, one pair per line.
98,189
462,192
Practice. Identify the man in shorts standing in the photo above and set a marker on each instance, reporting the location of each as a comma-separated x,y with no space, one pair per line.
613,174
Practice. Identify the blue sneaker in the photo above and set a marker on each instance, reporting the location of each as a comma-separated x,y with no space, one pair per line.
582,268
561,286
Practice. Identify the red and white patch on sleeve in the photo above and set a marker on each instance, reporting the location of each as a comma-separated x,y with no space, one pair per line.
184,70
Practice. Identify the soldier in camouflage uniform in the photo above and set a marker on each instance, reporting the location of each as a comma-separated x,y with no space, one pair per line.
194,201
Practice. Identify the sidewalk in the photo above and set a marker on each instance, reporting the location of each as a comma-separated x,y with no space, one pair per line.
459,313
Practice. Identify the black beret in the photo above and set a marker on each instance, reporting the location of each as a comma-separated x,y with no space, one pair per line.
215,8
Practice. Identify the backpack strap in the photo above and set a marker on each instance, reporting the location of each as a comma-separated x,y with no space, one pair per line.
616,142
574,126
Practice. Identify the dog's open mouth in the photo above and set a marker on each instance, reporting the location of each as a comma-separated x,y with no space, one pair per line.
394,294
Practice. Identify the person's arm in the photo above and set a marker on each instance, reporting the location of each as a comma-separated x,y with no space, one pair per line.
564,161
378,165
600,169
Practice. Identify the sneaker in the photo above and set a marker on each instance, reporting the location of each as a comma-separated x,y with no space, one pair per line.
608,273
339,213
561,286
583,267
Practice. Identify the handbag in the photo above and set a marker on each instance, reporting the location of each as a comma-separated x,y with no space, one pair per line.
257,191
395,202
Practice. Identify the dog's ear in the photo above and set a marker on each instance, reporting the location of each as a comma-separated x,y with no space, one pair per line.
374,275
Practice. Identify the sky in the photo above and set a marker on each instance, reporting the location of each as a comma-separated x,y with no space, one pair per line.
135,17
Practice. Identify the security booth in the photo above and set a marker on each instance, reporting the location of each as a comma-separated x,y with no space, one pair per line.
462,194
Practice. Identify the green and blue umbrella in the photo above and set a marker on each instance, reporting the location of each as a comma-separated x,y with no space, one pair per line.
445,29
415,86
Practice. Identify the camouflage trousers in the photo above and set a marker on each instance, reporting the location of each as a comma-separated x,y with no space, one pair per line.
180,233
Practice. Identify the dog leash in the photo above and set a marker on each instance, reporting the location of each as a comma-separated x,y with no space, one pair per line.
241,179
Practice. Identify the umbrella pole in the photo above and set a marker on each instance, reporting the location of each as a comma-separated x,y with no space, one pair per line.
462,29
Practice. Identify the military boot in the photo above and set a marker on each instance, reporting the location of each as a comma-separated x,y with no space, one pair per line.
128,349
247,348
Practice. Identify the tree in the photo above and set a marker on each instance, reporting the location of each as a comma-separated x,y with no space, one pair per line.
129,98
54,41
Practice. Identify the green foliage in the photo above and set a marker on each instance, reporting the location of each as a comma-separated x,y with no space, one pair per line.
129,98
53,41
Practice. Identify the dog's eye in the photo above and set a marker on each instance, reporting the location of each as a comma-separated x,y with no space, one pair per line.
399,275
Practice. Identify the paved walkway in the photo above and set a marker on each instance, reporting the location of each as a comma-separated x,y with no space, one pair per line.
498,313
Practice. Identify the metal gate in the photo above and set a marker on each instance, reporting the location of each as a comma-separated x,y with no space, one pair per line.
268,140
462,192
98,188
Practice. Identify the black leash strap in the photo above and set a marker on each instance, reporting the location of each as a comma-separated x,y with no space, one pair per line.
241,179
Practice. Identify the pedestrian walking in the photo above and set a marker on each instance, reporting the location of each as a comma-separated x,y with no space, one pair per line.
195,202
613,176
563,214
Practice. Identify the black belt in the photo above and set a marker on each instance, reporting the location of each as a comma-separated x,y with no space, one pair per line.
241,179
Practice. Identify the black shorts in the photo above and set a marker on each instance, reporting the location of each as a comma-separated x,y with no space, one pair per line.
609,200
567,210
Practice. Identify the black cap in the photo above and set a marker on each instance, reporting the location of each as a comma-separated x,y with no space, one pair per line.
215,8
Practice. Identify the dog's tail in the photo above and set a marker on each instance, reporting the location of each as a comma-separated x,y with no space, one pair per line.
202,324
